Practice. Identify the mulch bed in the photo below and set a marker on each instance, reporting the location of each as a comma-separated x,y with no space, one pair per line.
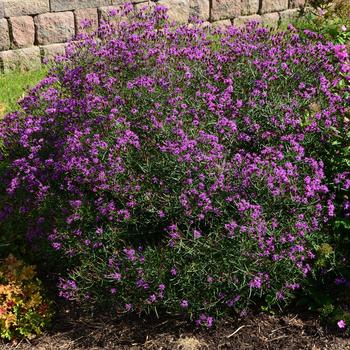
255,332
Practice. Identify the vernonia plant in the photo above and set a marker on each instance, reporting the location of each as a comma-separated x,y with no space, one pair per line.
173,168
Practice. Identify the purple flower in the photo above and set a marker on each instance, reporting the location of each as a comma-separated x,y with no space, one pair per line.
210,321
56,245
280,295
210,279
233,301
67,288
341,324
205,320
339,281
152,298
75,204
116,276
130,253
140,283
93,78
197,234
256,282
184,304
112,12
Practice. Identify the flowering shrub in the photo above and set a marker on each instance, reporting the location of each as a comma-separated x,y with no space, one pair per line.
170,170
328,292
23,310
329,18
339,7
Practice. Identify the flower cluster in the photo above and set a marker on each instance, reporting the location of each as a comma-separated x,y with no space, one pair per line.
178,168
23,310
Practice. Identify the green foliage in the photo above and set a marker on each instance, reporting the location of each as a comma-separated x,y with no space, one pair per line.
328,18
24,311
178,173
328,292
340,8
332,28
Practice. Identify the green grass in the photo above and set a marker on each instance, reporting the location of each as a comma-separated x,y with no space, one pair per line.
14,85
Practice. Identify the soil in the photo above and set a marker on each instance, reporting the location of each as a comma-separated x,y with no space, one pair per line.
255,332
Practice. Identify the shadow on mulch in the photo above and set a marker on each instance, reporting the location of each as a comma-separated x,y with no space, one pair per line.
256,332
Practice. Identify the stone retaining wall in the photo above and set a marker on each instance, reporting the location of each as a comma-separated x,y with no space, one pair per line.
34,30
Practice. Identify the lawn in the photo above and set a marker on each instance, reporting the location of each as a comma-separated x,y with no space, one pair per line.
14,85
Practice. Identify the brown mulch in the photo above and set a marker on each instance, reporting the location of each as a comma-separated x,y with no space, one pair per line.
259,332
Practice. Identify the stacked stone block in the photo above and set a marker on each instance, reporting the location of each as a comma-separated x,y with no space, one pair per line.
33,31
